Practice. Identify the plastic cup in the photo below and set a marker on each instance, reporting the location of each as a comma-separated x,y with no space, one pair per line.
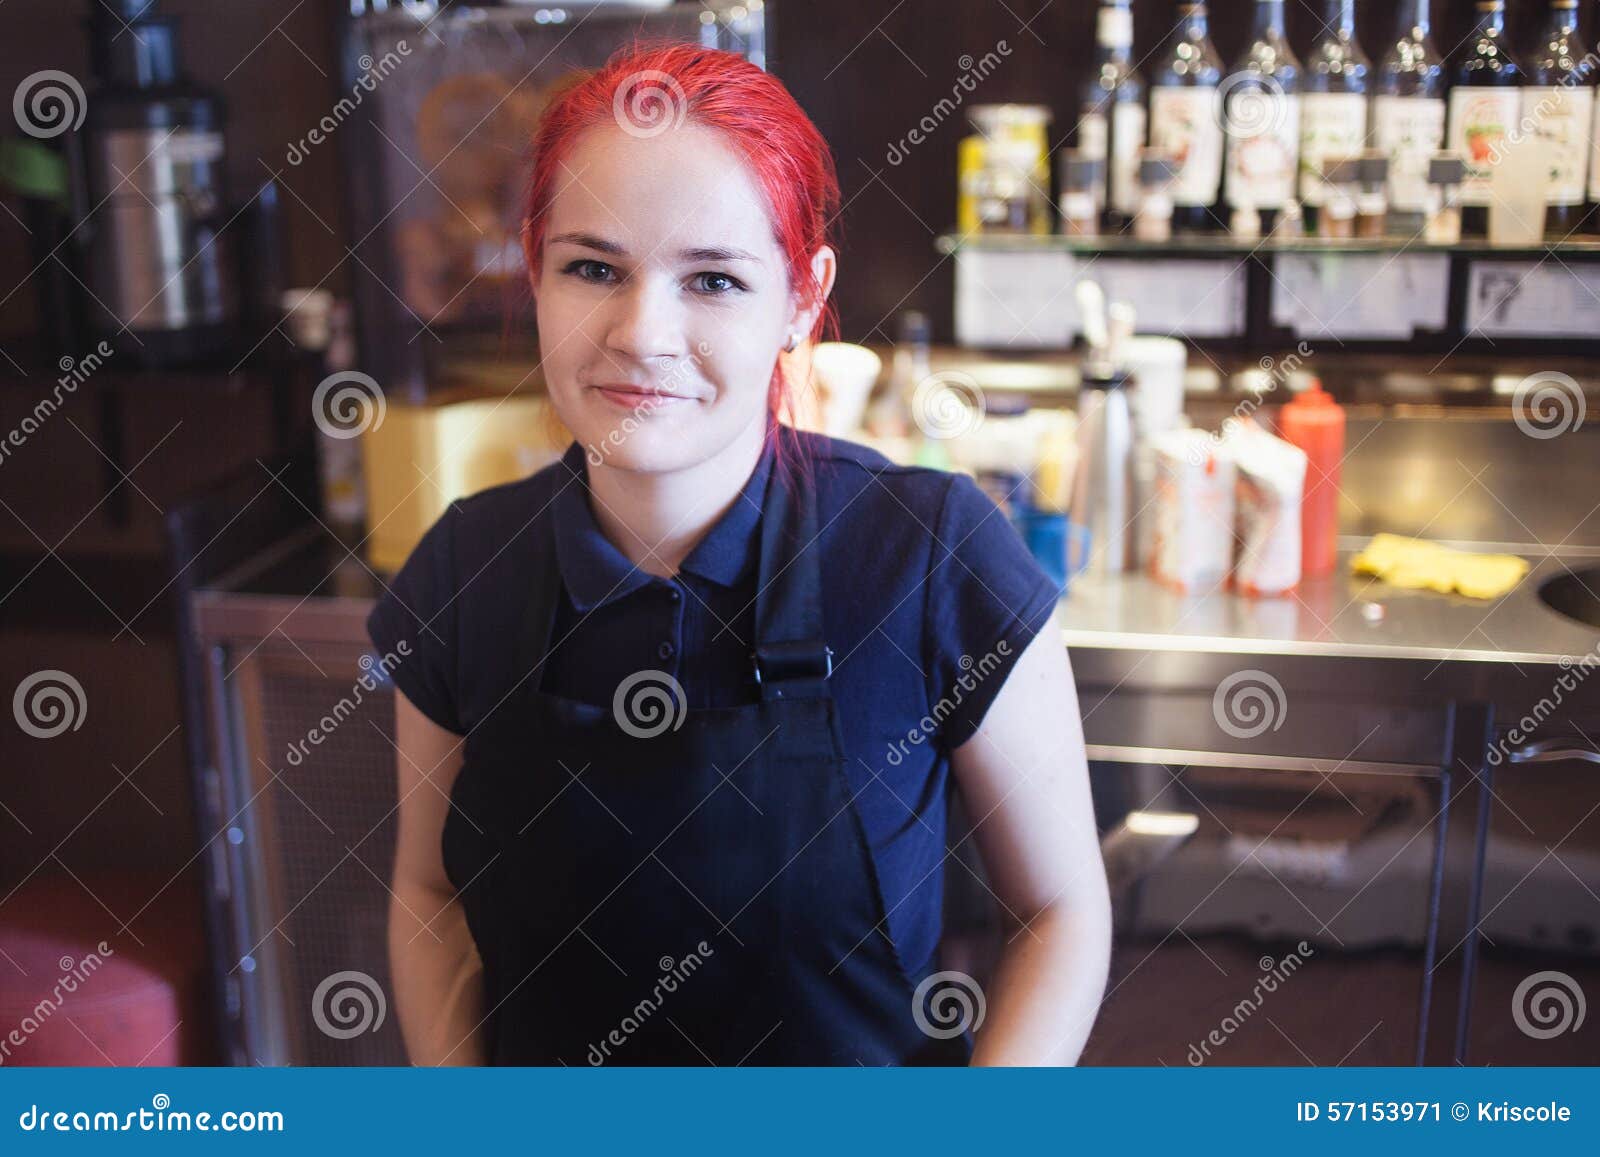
1518,186
1157,366
845,374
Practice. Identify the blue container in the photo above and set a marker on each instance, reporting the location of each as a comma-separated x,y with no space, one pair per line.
1060,545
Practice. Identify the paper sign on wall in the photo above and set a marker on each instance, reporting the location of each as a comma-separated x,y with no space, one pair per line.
1533,299
1014,298
1360,296
1188,298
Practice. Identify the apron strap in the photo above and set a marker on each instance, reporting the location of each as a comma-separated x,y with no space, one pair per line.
791,658
544,584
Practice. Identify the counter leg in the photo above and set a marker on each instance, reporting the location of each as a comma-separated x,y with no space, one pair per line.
1476,735
1430,944
1455,898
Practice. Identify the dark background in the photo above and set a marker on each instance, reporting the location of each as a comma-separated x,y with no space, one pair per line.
867,72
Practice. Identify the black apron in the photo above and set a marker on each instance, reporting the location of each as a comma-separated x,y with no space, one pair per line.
652,885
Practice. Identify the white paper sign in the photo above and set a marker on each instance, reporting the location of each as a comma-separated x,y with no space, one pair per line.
1361,296
1187,298
1533,299
1018,298
1027,300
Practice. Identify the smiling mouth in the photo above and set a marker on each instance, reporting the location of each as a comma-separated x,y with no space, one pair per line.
639,396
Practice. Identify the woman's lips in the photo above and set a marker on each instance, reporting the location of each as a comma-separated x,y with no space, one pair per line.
633,398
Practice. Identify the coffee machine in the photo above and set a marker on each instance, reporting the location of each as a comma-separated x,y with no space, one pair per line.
150,202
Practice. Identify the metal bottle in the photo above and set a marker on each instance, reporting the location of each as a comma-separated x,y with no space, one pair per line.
1105,439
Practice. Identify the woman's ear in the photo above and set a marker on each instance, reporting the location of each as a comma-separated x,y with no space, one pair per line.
824,269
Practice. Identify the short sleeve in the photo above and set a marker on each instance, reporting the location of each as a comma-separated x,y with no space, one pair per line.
987,599
414,625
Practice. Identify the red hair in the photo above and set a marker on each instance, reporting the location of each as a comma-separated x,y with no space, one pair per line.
787,156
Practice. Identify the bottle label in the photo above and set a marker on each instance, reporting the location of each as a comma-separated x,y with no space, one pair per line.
1114,29
1332,124
1263,130
1410,129
1480,121
1092,135
1594,155
1187,123
1127,137
1560,114
1077,206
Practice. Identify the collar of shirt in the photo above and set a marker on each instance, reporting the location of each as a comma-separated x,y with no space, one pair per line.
595,572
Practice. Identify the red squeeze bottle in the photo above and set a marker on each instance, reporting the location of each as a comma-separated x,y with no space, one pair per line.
1315,423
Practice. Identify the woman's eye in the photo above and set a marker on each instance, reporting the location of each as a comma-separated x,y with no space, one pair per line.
589,270
716,284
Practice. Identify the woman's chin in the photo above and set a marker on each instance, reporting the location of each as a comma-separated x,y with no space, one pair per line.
648,443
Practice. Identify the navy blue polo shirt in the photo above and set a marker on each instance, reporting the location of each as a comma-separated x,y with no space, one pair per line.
929,595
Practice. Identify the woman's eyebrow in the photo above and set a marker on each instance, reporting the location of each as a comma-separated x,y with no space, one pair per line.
717,253
590,241
697,253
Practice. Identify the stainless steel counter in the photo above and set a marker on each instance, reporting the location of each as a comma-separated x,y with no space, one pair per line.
1341,615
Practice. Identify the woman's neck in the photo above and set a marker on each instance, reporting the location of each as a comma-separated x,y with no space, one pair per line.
655,520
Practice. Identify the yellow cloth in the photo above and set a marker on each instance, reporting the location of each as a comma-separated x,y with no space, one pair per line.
1422,565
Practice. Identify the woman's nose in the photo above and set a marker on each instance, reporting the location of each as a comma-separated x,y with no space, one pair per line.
645,322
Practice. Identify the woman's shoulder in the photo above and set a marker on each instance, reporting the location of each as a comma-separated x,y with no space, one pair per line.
495,507
857,482
456,591
868,498
943,560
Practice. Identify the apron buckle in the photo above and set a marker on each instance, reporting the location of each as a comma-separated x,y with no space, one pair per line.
799,659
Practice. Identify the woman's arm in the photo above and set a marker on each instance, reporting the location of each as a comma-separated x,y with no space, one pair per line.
1025,782
438,978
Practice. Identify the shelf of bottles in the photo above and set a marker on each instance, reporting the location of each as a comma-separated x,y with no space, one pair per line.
1224,245
1411,201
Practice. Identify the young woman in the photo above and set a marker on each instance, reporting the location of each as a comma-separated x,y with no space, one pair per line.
680,712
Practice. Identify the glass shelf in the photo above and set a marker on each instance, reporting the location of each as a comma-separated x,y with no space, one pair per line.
1223,245
430,13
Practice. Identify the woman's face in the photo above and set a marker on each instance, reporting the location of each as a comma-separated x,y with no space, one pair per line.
662,298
